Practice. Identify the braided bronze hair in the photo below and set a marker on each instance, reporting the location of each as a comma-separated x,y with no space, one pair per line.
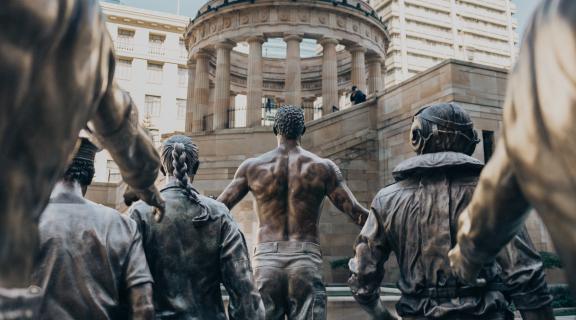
180,159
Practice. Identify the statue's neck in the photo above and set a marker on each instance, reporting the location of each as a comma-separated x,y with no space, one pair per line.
67,187
288,143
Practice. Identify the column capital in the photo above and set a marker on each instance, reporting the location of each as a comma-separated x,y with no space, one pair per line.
292,37
309,99
225,44
374,58
356,48
201,54
324,41
256,39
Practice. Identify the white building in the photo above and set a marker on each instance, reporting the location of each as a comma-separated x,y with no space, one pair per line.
151,65
425,32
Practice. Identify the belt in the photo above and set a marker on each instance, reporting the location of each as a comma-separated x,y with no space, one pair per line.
287,247
456,292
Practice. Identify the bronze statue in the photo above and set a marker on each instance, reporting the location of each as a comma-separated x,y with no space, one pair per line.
56,71
416,219
196,248
289,185
91,264
534,162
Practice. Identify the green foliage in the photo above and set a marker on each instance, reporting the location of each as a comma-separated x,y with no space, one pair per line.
340,263
562,297
550,260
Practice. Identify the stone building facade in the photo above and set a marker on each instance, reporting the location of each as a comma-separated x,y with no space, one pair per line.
426,32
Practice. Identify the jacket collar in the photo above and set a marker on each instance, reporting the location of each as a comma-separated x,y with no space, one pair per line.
175,185
433,161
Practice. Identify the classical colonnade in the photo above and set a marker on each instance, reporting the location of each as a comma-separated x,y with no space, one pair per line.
212,38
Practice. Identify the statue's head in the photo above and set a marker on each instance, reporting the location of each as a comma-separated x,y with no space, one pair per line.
443,127
289,122
81,169
179,156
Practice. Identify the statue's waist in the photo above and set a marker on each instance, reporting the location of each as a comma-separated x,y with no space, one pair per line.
287,247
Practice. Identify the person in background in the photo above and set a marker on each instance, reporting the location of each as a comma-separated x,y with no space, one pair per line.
197,247
416,219
357,96
91,263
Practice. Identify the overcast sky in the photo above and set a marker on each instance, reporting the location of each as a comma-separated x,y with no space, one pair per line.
190,7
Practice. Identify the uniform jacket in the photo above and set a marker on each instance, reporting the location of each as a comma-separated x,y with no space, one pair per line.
416,219
90,255
191,252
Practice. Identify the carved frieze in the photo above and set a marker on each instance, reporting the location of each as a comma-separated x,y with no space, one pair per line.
341,21
227,22
284,15
244,18
323,17
304,15
264,14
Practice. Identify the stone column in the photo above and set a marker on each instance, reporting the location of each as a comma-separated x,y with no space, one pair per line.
329,75
293,87
308,105
375,81
232,110
254,94
201,91
222,84
189,120
358,67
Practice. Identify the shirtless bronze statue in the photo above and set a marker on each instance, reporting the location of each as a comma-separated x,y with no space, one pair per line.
289,185
56,75
534,163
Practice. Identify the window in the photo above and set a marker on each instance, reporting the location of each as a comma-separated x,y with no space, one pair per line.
124,69
181,108
155,71
183,51
125,40
488,143
156,44
153,105
182,76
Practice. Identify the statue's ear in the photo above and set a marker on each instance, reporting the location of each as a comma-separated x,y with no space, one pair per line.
275,131
303,130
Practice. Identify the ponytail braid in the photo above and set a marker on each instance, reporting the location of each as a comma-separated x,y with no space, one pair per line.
181,171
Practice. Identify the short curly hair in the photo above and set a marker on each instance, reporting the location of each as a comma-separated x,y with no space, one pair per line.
80,170
289,122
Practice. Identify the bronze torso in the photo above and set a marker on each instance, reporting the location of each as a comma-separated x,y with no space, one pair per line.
90,255
289,185
190,253
416,219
